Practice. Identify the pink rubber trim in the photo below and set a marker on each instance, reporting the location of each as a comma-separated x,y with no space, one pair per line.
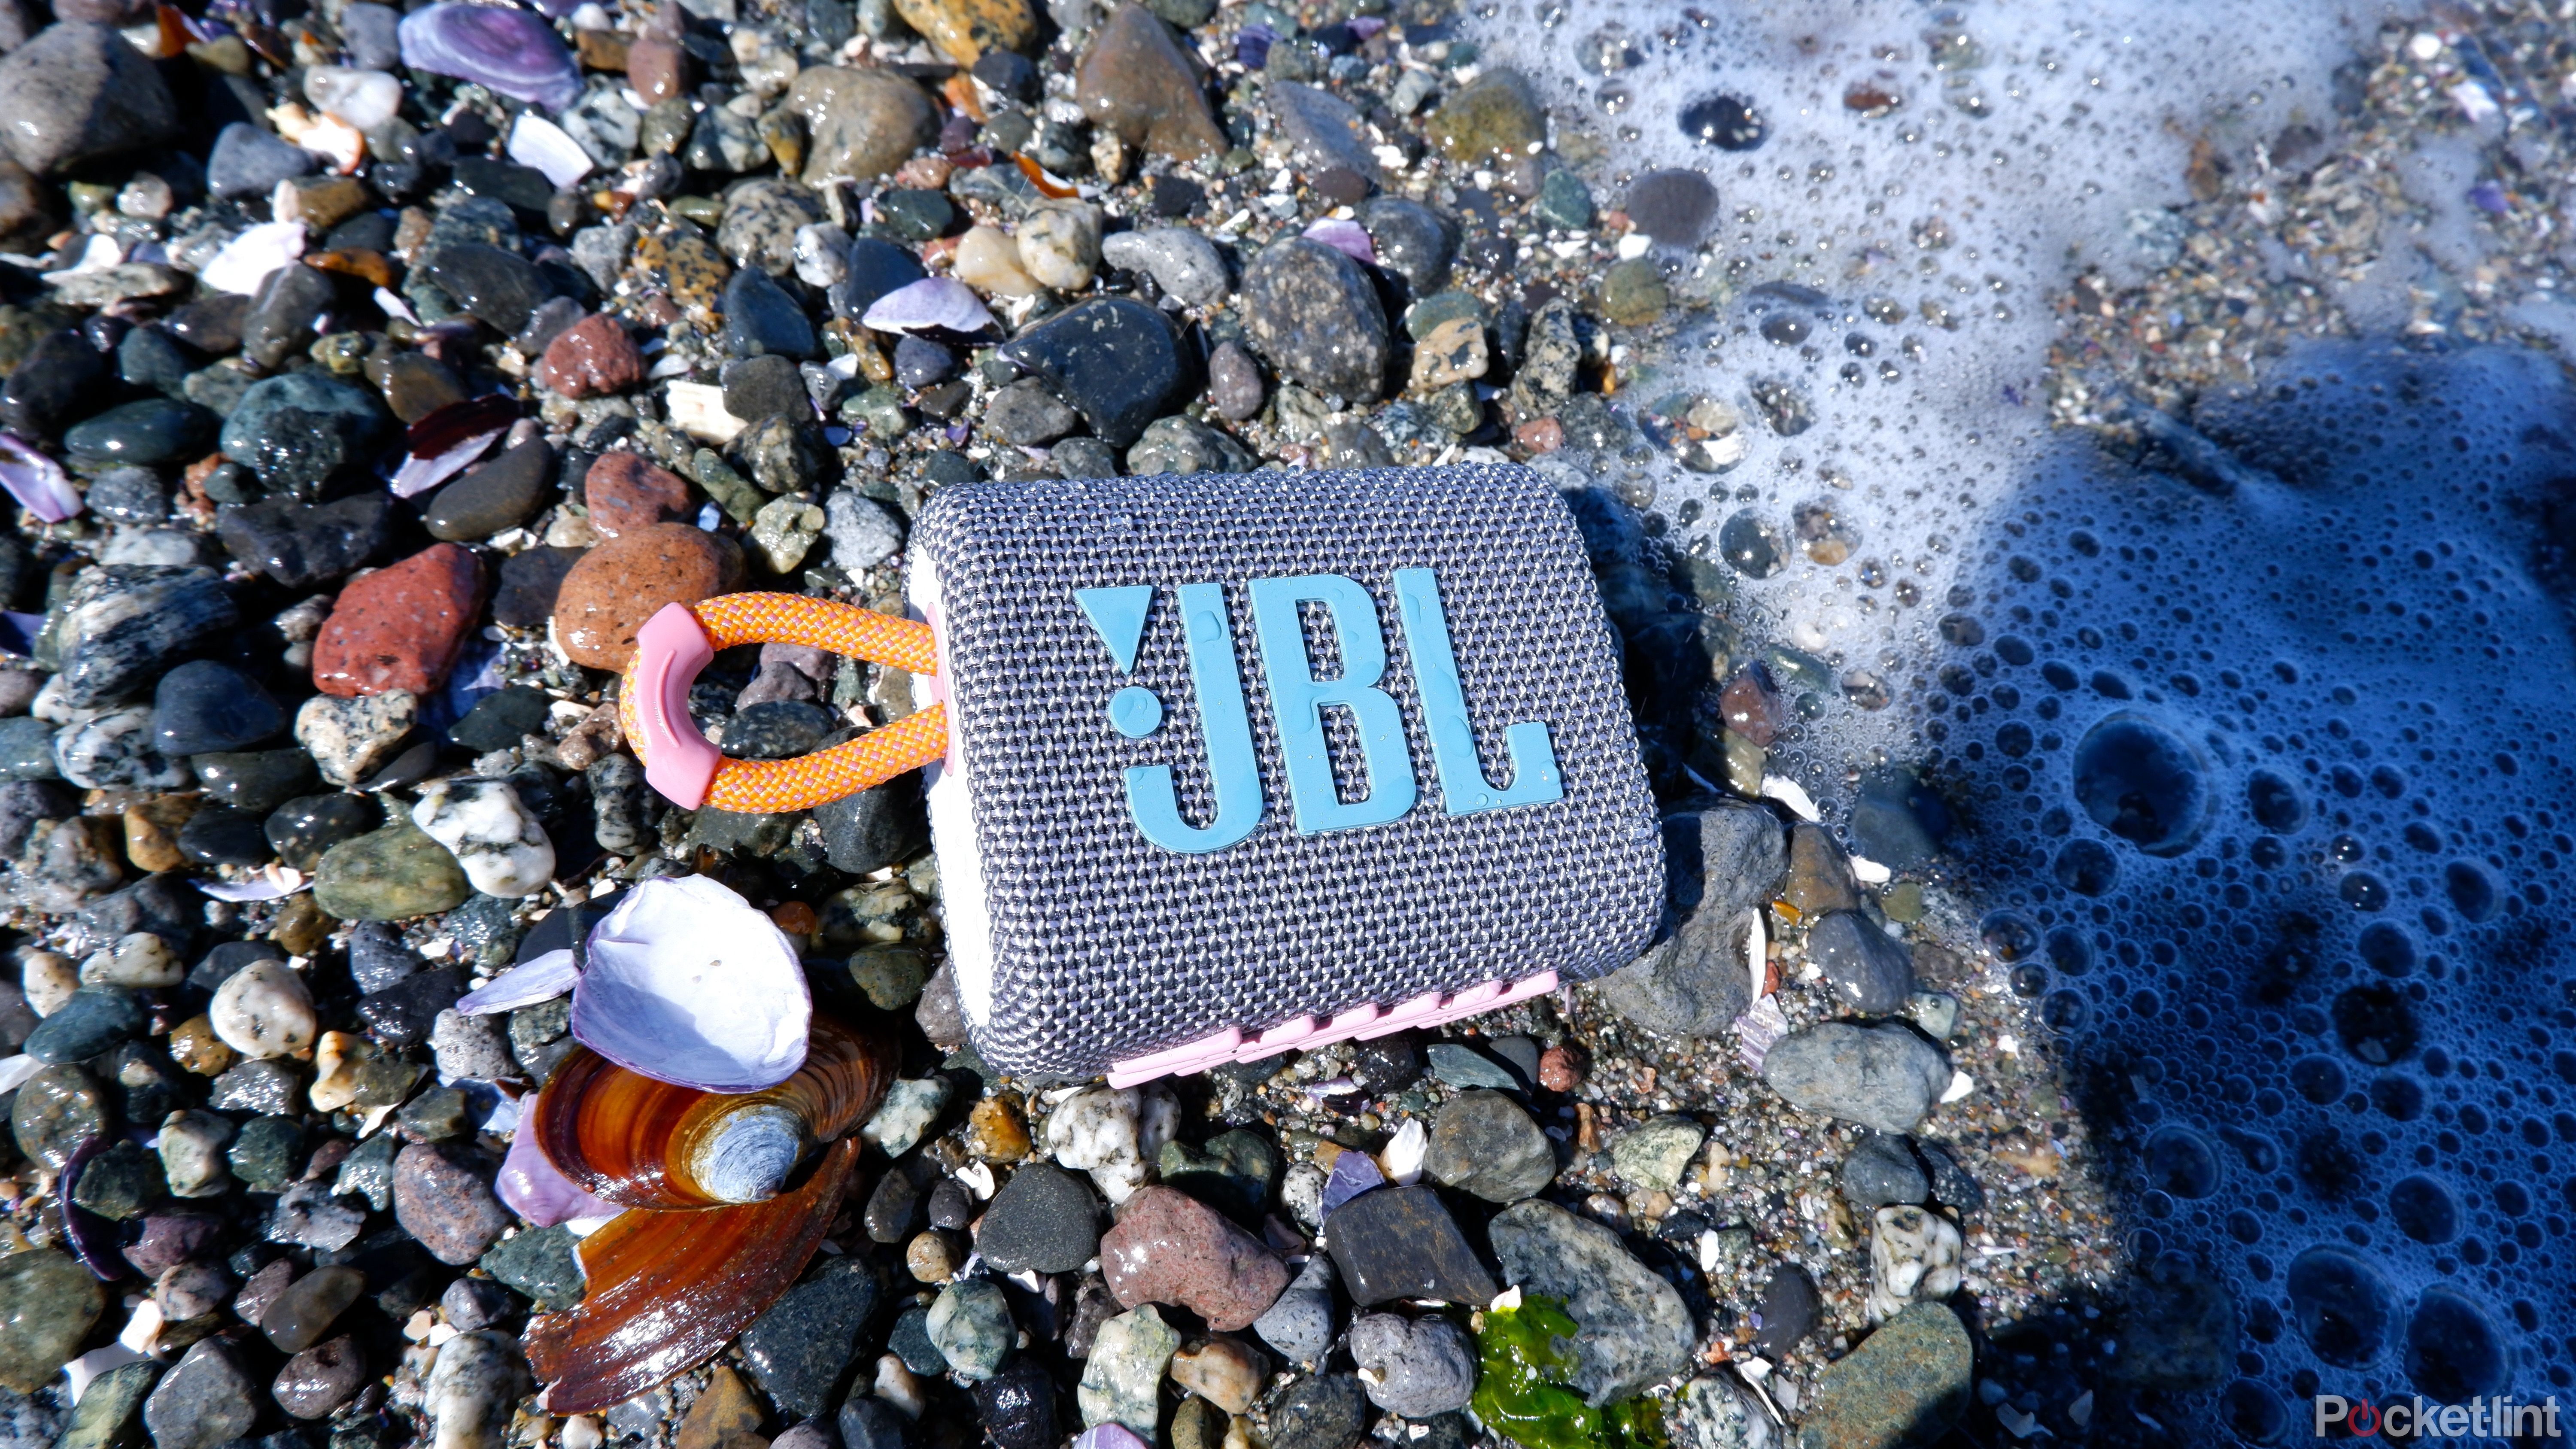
669,651
1432,1008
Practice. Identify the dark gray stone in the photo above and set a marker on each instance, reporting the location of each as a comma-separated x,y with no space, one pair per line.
498,495
1044,1219
1315,315
1867,971
1879,1076
801,1349
248,161
1719,863
499,287
303,544
79,91
1328,1411
127,623
205,1400
301,430
1399,1242
1483,1143
256,781
761,317
1112,359
203,707
1882,1172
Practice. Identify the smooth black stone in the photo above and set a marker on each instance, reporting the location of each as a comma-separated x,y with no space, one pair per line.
404,1012
800,1349
303,828
778,730
500,288
1673,207
760,317
919,362
57,381
129,495
877,266
212,325
916,214
257,781
227,958
1009,73
1388,1064
1789,1309
1399,1242
220,835
1016,1405
136,619
378,959
893,1212
371,231
530,579
146,431
1411,241
95,1019
249,161
203,707
1866,971
303,544
952,1206
1882,1170
1044,1218
522,187
149,359
562,926
498,720
500,494
1951,1183
284,311
760,387
1113,359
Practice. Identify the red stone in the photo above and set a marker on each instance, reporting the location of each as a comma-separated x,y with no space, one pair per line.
625,581
1751,707
400,627
1541,435
592,357
657,68
1169,1247
625,493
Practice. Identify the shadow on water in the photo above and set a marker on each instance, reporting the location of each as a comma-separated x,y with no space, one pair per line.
2260,764
2267,786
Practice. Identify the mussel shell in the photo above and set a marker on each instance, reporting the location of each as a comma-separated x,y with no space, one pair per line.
668,1290
632,1140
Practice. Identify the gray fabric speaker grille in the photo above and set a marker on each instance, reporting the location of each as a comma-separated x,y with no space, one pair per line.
1106,946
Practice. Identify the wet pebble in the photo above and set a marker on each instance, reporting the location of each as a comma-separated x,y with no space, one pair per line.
1170,1248
401,627
203,707
1483,1143
1122,1379
443,1196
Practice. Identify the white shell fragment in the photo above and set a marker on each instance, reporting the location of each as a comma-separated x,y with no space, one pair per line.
540,143
541,978
687,984
481,822
247,259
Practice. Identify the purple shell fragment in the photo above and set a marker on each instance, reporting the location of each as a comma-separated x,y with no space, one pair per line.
944,303
36,480
1353,1173
500,47
534,1189
1346,237
688,984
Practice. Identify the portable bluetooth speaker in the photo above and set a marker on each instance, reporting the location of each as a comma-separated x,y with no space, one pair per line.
1239,763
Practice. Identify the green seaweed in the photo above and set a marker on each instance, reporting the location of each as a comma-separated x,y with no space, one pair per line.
1526,1360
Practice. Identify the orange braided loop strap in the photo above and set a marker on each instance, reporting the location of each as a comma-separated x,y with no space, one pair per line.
767,786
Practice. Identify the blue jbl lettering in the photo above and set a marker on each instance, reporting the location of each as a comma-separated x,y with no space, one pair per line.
1298,698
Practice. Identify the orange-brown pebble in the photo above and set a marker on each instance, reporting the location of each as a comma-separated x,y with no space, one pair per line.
1558,1070
196,1048
796,918
624,493
617,586
995,1130
400,627
1540,435
152,830
593,357
930,1258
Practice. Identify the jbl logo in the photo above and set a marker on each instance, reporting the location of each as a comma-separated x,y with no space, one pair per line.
1297,703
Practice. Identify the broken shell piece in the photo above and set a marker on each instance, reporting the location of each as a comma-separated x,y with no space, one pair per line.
687,984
